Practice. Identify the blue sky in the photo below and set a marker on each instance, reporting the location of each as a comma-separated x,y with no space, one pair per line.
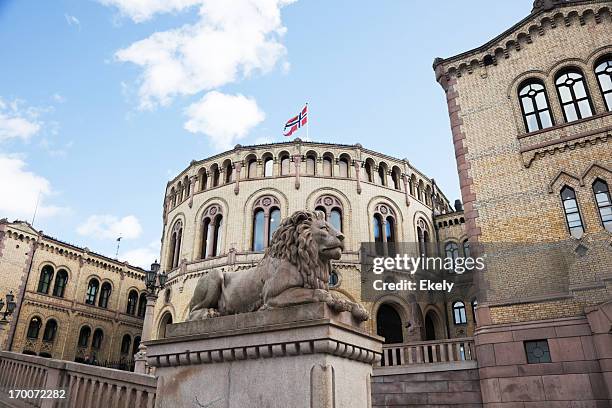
102,102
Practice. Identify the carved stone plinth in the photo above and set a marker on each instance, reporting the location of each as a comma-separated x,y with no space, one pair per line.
302,356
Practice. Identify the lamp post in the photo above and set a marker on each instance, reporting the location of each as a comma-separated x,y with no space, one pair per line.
154,282
8,306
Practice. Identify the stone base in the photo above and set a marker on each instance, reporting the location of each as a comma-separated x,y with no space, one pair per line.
302,356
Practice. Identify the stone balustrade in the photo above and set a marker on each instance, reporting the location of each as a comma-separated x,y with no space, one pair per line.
85,386
426,352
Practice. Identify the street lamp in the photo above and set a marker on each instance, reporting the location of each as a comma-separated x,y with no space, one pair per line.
155,280
10,306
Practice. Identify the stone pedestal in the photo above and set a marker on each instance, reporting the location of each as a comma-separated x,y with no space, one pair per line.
302,356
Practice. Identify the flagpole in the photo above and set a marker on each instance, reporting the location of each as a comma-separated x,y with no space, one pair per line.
307,122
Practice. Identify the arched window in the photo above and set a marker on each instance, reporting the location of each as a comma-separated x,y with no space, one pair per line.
332,208
268,167
173,197
423,237
390,229
327,166
535,106
132,302
343,167
187,184
602,196
214,170
369,168
266,219
466,249
333,279
395,177
389,324
44,282
34,328
420,190
228,168
451,250
104,295
384,227
92,291
412,184
203,178
603,70
474,305
381,175
378,228
428,195
61,279
142,305
50,331
574,95
175,245
96,341
163,324
311,162
459,316
212,221
84,336
179,192
126,342
285,165
252,168
572,212
136,345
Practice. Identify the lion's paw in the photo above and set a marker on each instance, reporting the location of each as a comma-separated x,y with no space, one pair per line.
359,312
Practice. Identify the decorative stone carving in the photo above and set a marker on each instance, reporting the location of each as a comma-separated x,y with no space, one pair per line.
295,270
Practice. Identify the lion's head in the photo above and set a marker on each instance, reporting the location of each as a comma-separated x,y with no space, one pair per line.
308,241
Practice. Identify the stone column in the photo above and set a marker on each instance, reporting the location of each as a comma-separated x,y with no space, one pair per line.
405,180
357,175
140,358
297,160
238,167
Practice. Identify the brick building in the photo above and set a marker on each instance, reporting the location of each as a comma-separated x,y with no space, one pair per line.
71,302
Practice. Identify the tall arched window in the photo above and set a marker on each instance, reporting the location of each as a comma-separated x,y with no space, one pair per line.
384,226
214,171
535,106
451,251
105,293
603,70
173,197
252,168
203,179
266,219
572,212
34,328
163,324
602,197
420,188
390,229
179,192
381,174
268,167
228,168
175,245
378,228
84,336
285,163
369,169
474,305
466,249
50,331
187,184
328,165
311,164
212,221
423,237
44,282
126,342
343,167
92,291
395,177
332,208
411,184
574,95
136,345
142,305
459,316
132,302
96,341
61,279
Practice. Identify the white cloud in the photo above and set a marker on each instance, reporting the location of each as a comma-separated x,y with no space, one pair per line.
20,189
58,98
224,118
17,122
72,20
111,227
142,257
231,40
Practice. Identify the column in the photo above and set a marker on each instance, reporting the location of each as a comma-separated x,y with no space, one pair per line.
140,358
357,175
297,160
238,167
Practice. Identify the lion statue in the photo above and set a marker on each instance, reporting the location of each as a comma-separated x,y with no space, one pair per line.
294,270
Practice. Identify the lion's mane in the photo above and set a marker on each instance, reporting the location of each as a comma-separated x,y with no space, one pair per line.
293,241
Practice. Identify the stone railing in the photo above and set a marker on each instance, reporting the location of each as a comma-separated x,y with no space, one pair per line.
427,352
85,386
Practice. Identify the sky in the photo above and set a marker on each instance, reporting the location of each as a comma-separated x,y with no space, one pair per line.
103,101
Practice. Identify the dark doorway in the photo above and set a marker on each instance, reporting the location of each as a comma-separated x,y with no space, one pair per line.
430,327
389,324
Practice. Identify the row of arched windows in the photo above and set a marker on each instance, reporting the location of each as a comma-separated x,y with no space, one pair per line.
96,339
573,94
572,209
127,346
35,325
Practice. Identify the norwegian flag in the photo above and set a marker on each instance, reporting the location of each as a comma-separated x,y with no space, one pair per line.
296,122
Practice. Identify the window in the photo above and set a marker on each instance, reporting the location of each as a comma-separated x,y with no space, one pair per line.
275,217
285,165
390,229
44,282
331,206
61,279
268,167
603,70
131,303
252,168
212,222
369,168
266,219
84,336
215,175
466,249
384,224
142,305
572,212
335,219
343,167
175,245
167,295
602,197
50,331
217,235
423,237
451,250
136,345
573,95
258,230
229,172
377,223
395,177
311,164
535,106
333,279
420,190
126,342
34,328
105,295
92,291
474,305
381,175
411,184
537,352
459,316
96,342
327,166
203,178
